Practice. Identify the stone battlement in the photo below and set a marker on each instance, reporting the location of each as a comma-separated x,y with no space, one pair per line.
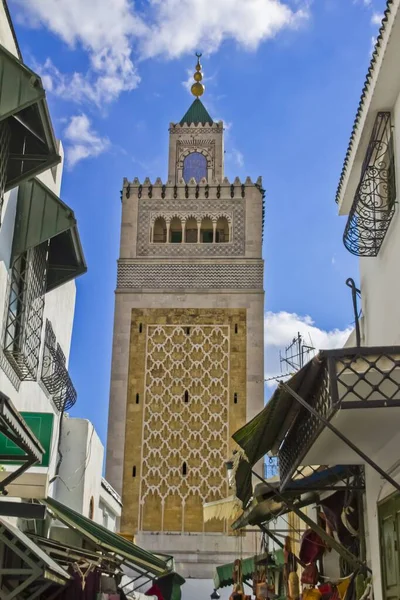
192,189
208,127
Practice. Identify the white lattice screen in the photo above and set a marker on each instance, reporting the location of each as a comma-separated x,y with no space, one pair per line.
186,421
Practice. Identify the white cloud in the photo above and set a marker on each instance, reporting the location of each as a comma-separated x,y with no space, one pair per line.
181,26
82,141
103,29
109,31
236,156
376,18
282,327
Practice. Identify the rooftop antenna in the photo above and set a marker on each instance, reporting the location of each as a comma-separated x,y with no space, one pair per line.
296,354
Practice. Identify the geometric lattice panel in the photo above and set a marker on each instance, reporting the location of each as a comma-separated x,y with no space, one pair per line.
186,420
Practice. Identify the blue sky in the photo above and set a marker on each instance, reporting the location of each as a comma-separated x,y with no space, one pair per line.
286,78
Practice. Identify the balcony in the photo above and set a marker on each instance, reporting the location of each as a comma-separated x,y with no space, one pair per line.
342,383
374,201
55,376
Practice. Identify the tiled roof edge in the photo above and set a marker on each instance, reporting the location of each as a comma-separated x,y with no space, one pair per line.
363,95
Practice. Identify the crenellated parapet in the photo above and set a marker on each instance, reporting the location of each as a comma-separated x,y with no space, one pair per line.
190,189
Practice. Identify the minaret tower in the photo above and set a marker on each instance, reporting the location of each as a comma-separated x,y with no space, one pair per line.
188,353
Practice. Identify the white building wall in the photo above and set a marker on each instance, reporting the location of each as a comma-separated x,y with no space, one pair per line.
6,37
380,281
80,471
380,292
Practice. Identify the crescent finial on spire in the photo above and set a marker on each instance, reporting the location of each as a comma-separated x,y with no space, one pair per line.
198,88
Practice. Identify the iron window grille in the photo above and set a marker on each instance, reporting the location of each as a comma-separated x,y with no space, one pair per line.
4,155
349,378
24,313
55,376
374,201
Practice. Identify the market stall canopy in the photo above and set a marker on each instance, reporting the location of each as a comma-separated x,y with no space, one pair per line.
42,216
223,575
36,572
25,127
225,509
265,432
303,491
132,555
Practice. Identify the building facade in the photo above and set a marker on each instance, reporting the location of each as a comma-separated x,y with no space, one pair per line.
187,367
368,195
40,257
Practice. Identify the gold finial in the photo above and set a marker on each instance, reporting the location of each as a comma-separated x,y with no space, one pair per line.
198,88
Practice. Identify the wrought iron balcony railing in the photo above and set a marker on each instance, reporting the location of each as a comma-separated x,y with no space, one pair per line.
55,376
348,378
24,312
374,201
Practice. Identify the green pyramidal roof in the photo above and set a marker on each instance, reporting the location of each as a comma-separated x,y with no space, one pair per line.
196,114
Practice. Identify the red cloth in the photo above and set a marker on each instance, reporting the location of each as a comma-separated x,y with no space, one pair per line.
155,591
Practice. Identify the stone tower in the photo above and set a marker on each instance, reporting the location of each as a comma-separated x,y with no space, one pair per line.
188,354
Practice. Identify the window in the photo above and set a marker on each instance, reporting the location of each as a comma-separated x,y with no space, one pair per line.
137,398
105,518
236,328
186,397
91,508
175,231
235,398
176,237
24,317
194,165
222,230
184,469
160,231
206,231
140,327
134,471
191,231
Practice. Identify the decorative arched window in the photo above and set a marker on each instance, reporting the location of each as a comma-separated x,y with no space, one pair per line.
194,165
175,231
160,231
206,232
222,230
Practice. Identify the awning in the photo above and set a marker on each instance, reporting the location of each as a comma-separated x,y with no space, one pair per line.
66,555
267,429
265,432
23,110
37,571
302,491
131,555
18,437
225,509
42,216
223,575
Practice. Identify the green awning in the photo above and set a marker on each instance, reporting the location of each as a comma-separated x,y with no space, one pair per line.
24,113
170,586
132,555
266,430
223,575
42,216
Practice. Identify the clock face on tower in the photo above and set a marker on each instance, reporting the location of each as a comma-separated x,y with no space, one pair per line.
194,165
